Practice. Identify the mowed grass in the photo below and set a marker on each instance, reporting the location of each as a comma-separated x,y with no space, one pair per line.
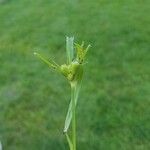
113,109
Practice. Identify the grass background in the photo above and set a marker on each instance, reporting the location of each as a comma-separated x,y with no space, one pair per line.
113,110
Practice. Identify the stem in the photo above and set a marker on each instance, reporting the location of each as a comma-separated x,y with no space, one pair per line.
73,92
69,141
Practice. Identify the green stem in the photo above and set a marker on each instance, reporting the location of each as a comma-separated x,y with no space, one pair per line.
69,141
73,95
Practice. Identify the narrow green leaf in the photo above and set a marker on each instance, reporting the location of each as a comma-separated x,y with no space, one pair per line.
0,145
70,49
77,83
50,64
69,113
69,141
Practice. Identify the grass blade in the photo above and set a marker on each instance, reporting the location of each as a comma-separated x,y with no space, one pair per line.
70,49
69,141
69,113
0,145
50,64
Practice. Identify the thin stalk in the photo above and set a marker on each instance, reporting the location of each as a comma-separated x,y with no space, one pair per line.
73,95
69,141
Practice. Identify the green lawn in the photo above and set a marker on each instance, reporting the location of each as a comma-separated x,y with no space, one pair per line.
114,106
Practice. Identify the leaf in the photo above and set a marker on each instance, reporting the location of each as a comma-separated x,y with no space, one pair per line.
69,141
69,113
50,64
69,49
0,145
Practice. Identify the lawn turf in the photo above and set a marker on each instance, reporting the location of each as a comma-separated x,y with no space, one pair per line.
113,109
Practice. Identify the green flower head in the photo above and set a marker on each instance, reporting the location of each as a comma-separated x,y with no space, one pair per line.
73,69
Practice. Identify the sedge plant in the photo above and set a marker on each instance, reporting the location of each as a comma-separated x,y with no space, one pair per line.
72,70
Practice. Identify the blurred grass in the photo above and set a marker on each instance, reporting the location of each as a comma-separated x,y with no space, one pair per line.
113,110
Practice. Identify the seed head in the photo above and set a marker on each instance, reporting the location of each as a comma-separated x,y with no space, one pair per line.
73,70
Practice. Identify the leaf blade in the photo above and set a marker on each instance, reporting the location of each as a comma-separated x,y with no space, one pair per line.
69,49
69,112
